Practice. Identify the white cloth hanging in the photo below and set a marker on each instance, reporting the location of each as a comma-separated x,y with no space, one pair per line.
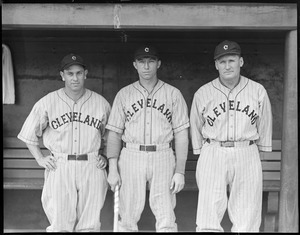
8,84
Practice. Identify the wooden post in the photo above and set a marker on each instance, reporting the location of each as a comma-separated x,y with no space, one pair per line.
288,206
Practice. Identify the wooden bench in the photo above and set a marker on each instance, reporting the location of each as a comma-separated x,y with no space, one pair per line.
271,163
21,171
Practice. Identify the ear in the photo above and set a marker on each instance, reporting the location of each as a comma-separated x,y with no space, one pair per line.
241,61
134,65
62,75
85,73
216,65
158,63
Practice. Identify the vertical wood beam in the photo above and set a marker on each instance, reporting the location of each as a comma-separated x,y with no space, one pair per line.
288,207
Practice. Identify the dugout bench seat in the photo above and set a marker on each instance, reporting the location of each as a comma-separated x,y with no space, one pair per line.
21,171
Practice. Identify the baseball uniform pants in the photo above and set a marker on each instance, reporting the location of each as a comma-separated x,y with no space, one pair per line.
238,167
136,169
74,194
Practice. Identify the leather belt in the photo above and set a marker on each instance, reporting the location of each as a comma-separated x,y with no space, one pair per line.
232,143
147,148
78,157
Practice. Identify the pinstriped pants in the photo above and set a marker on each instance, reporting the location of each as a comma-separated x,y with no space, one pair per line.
238,167
136,169
73,195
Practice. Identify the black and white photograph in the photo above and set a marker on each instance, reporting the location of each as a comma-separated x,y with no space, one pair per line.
150,116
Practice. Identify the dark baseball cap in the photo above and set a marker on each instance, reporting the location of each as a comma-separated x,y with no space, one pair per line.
227,47
71,59
146,51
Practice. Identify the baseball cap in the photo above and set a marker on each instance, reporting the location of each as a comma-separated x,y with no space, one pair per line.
71,59
227,47
146,51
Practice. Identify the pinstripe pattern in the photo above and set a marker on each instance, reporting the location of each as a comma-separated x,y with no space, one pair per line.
73,195
79,126
223,115
67,191
220,114
136,169
241,169
147,118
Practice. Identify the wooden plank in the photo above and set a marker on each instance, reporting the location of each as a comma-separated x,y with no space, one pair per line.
23,183
23,173
289,210
14,142
273,202
269,175
271,185
152,16
21,153
270,156
271,166
21,163
269,222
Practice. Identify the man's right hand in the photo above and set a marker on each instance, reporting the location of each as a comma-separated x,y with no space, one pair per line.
47,162
113,179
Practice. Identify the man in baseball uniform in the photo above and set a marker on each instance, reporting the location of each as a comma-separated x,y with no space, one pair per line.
231,121
146,116
72,123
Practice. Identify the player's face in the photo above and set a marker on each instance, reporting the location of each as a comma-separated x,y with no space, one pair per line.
147,67
74,77
229,67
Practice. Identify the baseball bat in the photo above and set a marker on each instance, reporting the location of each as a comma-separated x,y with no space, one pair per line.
116,208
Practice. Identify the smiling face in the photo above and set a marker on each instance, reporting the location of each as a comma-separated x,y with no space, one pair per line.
229,67
147,67
74,77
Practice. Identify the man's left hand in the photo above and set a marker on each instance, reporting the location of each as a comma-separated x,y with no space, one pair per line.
177,183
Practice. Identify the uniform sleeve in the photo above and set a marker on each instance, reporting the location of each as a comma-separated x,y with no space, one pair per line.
180,118
103,130
264,123
116,121
197,122
34,125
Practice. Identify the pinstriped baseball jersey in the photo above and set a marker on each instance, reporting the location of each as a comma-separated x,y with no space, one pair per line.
74,193
67,126
221,114
148,118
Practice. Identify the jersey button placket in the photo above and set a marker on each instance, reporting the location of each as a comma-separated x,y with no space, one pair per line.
148,123
231,119
75,131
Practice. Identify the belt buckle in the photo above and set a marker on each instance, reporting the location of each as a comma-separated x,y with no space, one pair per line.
227,144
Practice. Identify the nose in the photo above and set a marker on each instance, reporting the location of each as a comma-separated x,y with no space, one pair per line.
227,65
146,65
75,77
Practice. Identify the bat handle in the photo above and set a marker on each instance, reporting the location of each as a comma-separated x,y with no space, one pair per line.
116,208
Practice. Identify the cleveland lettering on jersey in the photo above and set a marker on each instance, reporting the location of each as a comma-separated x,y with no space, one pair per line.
221,108
139,105
75,117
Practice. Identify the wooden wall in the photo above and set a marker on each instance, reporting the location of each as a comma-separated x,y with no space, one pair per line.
187,63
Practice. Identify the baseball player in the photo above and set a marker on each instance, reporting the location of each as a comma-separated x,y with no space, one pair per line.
72,122
231,121
147,115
